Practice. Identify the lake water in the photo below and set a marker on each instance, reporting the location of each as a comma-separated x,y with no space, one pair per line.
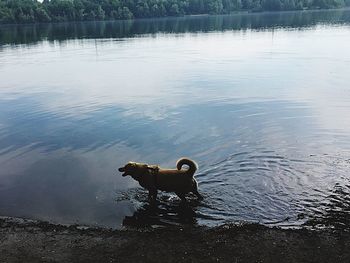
260,101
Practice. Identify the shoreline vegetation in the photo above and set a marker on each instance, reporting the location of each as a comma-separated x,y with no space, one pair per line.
34,241
34,11
14,34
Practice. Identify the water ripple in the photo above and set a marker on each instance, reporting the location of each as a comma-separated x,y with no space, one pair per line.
266,122
281,189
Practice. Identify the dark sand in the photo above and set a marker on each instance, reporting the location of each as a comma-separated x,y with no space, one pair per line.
29,241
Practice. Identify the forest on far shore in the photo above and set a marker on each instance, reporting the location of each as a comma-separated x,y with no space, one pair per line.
33,11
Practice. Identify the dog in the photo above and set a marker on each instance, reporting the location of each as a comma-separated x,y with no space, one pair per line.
154,178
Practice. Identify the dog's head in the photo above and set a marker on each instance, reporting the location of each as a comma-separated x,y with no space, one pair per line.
133,169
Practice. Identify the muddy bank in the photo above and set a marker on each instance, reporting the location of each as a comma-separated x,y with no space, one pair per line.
28,241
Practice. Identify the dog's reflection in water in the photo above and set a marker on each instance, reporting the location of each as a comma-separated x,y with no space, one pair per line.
163,213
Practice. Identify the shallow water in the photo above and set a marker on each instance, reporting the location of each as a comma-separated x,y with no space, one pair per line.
260,101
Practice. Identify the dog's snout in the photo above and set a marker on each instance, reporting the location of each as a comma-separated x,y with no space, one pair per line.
121,169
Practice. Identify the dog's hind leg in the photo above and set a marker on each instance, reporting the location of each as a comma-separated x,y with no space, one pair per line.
195,191
199,196
152,195
182,196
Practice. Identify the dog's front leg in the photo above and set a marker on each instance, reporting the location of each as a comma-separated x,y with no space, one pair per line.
152,195
199,196
182,196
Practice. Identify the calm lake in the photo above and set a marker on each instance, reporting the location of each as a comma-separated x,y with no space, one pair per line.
260,101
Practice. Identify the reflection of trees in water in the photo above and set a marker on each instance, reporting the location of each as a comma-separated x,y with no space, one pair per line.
25,34
335,210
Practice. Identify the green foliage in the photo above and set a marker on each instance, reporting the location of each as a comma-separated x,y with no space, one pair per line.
6,15
272,5
30,11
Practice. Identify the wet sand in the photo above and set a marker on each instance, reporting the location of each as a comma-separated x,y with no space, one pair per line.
30,241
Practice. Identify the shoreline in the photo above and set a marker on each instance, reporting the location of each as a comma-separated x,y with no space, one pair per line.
242,12
29,241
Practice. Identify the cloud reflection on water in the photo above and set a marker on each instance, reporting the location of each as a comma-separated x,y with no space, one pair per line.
264,117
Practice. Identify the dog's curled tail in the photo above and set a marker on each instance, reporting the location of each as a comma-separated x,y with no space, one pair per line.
192,166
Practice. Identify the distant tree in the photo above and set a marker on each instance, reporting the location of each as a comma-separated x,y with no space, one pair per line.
142,9
196,7
231,5
247,4
100,13
42,15
61,10
256,6
157,9
299,5
237,5
273,5
320,4
215,7
174,10
6,15
124,13
289,5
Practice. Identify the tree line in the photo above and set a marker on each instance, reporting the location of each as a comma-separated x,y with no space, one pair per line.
32,11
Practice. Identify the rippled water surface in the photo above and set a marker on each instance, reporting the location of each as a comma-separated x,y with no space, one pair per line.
260,101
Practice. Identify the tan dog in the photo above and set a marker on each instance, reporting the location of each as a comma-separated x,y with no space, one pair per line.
154,178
